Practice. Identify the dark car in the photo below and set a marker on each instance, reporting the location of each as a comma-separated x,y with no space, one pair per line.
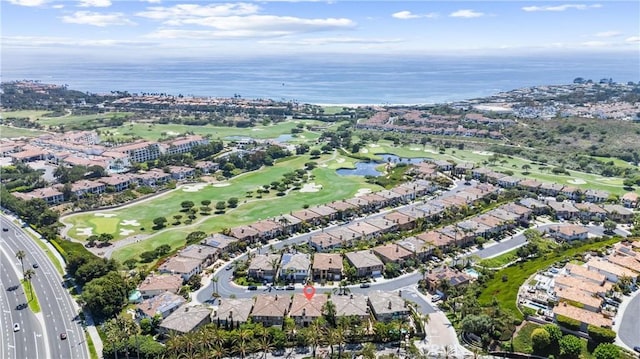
365,285
35,265
291,287
252,287
5,229
63,336
637,348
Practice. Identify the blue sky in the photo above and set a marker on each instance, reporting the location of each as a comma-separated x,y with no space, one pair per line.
166,28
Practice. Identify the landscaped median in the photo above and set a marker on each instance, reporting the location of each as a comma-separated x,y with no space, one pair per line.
32,299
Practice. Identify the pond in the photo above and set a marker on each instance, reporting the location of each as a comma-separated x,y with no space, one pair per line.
283,138
369,168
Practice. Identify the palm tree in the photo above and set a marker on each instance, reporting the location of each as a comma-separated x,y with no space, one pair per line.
217,352
368,351
214,280
28,275
340,338
21,255
265,344
241,342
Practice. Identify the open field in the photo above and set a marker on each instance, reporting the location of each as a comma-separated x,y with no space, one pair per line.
12,132
31,114
158,131
78,120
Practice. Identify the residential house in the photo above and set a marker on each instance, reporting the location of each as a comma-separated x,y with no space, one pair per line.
221,242
530,185
119,182
387,306
462,168
393,253
325,212
304,311
366,263
152,178
162,304
366,230
569,232
444,166
207,167
185,267
420,249
155,284
352,305
29,154
84,187
585,317
596,196
585,274
630,200
480,173
375,202
323,242
589,210
295,267
534,205
576,295
508,181
184,145
612,271
569,281
550,189
618,213
185,320
310,217
563,210
403,221
232,312
264,266
267,229
434,278
205,254
327,267
572,193
383,225
392,198
288,223
523,213
270,310
181,173
437,239
244,233
629,262
346,236
49,194
344,209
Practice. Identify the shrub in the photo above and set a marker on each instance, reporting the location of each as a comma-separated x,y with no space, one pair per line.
601,335
568,323
540,339
570,347
606,351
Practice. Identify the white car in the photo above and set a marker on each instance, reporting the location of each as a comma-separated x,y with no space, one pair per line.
436,298
16,327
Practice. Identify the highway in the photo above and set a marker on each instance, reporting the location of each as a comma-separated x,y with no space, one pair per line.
28,342
58,310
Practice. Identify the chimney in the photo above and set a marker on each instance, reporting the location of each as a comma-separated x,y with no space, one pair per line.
330,260
389,304
304,312
231,314
397,248
351,296
276,298
186,309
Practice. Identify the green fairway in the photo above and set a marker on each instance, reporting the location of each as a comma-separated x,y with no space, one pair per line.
13,132
158,131
31,114
79,120
167,205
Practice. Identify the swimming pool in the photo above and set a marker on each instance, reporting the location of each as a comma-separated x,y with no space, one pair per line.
472,272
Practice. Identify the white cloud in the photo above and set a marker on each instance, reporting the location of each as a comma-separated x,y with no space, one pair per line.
608,34
267,23
152,1
57,6
632,39
94,3
405,15
188,11
466,13
30,3
97,19
35,41
561,7
595,43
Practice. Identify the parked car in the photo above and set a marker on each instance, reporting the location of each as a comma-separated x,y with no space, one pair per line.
365,285
252,287
279,287
637,348
436,298
291,287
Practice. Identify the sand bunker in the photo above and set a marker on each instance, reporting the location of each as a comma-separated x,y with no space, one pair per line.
363,191
431,151
126,232
576,181
340,160
311,187
483,153
107,215
364,150
323,165
130,222
374,145
172,133
224,184
414,149
84,231
193,187
257,129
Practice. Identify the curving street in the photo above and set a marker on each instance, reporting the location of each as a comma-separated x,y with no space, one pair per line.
59,313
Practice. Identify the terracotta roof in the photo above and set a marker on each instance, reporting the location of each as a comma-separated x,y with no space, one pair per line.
364,259
584,272
310,308
392,252
168,282
582,315
271,306
327,261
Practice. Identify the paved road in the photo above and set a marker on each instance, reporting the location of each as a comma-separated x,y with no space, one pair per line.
518,240
58,310
629,330
28,342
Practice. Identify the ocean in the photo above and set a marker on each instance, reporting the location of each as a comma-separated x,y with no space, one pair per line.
326,79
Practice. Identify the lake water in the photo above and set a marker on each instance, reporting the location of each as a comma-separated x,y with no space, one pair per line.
369,168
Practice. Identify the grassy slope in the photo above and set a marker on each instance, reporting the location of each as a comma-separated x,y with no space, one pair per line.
11,132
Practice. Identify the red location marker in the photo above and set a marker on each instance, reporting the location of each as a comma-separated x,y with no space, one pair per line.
309,291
